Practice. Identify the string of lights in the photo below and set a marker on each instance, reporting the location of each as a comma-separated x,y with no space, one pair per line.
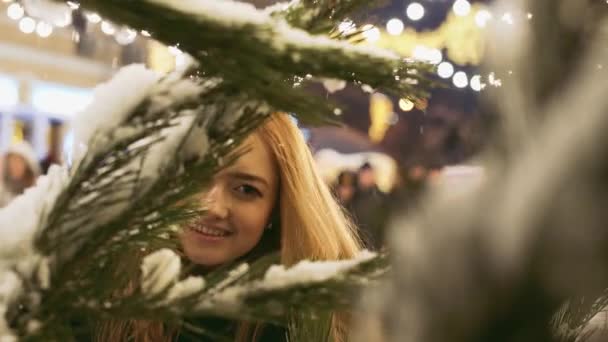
396,26
479,15
44,28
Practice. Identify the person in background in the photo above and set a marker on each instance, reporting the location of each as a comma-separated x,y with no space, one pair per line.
345,188
20,169
50,159
53,155
369,207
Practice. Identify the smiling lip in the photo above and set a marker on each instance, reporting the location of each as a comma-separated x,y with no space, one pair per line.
205,232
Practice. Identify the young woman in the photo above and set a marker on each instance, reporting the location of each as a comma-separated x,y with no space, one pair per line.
20,171
270,199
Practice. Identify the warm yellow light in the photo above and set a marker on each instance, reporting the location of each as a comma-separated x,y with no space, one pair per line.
380,111
371,33
460,39
406,105
159,57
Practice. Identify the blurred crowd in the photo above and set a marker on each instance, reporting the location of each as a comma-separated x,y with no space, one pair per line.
369,207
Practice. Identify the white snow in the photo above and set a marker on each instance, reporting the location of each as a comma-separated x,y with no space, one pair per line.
112,102
280,6
196,145
311,271
174,87
225,11
279,276
333,85
10,284
235,109
10,287
17,231
20,222
185,288
367,88
233,275
275,31
287,36
161,154
160,270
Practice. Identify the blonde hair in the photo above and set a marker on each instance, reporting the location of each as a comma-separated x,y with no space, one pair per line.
312,224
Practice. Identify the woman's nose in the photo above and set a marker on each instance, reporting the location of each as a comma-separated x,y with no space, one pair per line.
215,202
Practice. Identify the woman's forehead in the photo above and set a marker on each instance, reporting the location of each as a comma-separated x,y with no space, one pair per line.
256,158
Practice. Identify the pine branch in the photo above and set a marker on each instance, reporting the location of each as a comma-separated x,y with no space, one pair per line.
317,17
268,299
309,326
257,53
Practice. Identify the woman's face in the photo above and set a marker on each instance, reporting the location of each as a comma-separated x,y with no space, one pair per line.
16,166
239,203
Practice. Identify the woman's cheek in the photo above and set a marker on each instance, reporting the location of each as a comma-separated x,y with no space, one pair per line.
253,216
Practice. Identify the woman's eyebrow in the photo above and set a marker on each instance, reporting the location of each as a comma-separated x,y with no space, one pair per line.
247,176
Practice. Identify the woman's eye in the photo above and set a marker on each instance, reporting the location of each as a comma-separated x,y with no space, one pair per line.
248,191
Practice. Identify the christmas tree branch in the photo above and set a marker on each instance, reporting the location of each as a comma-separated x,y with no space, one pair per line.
317,17
224,35
324,287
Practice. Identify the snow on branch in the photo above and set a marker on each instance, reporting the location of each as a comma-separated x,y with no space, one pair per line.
276,31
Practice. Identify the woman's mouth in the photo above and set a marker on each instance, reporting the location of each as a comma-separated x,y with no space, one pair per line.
209,233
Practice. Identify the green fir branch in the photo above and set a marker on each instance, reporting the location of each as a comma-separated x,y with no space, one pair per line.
258,59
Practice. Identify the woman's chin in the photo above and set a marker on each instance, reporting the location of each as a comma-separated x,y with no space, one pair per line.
210,253
207,258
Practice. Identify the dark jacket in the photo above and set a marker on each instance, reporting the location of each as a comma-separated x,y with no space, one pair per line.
370,210
224,330
211,330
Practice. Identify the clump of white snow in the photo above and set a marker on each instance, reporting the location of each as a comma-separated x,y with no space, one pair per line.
17,229
279,276
226,11
274,30
311,271
160,270
333,85
112,102
185,288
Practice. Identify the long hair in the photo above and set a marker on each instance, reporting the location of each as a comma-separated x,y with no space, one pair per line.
311,224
